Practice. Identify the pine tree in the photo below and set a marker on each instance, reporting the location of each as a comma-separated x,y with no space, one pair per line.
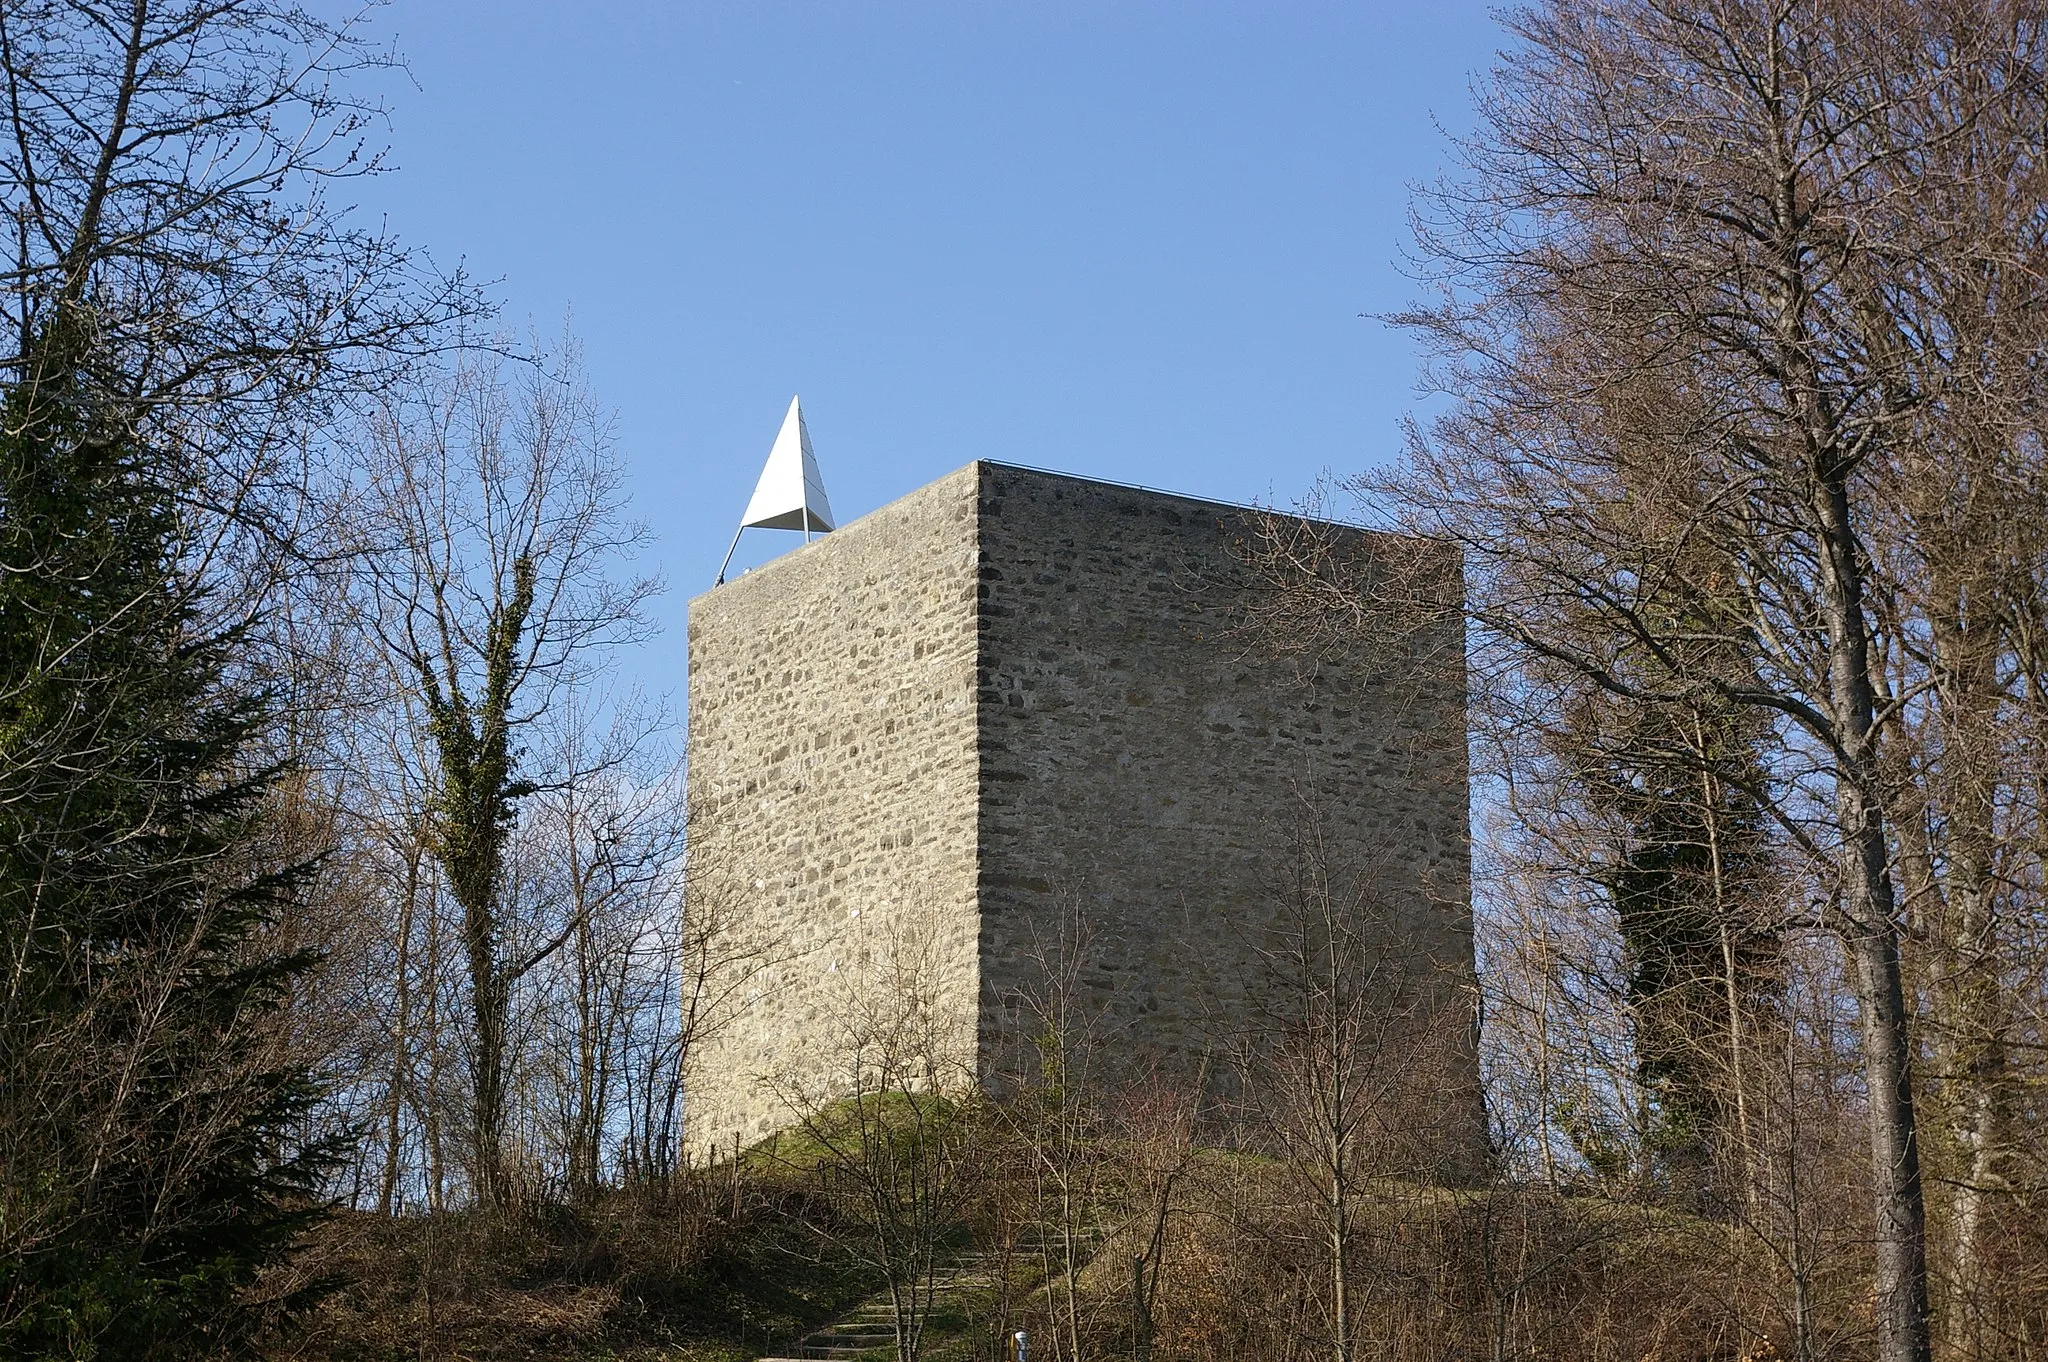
147,1168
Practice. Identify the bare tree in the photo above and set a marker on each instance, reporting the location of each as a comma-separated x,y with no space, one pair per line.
1057,1116
603,847
167,169
1343,1070
893,1125
1156,1143
492,530
1709,275
1969,808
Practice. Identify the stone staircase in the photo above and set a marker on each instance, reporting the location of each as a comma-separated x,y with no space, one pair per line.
869,1329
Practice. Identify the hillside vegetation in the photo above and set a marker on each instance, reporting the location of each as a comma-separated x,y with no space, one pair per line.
735,1263
352,988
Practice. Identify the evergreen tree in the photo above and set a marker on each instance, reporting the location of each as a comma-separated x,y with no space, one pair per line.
147,1167
1674,778
1698,936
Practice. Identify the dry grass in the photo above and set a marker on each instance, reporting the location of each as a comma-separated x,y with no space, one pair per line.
628,1277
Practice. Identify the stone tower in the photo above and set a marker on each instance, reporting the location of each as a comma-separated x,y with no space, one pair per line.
1013,700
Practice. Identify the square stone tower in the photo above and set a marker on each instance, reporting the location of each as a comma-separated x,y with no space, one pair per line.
1014,701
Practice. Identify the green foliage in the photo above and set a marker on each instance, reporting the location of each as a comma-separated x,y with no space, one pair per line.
144,1105
479,791
1686,883
473,813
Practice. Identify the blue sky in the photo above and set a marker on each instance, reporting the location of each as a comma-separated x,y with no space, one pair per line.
1119,238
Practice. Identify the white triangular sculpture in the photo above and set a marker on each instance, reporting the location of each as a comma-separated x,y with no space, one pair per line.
790,494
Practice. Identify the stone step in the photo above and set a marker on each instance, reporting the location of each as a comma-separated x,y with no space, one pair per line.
871,1326
847,1349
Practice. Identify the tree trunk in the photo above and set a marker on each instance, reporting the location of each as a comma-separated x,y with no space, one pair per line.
1970,996
1871,935
401,1040
487,997
1850,705
430,1114
1894,1149
1340,1268
586,1125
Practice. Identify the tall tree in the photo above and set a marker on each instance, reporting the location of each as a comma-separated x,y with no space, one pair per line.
491,526
169,161
1056,1115
1714,275
166,169
147,1167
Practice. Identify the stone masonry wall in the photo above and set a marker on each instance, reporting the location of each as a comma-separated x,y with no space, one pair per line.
1014,709
832,790
1158,777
